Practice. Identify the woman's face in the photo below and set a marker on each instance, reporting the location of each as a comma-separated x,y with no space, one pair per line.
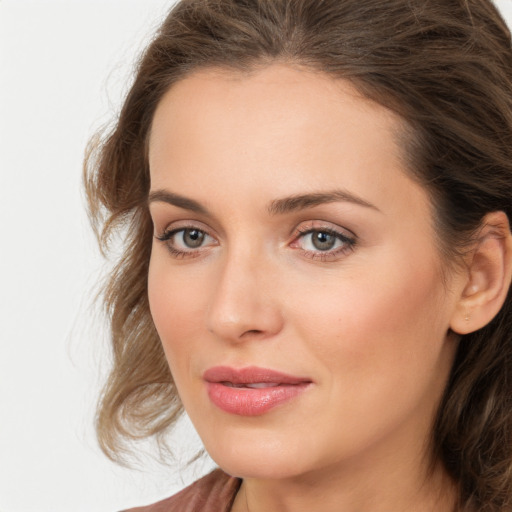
294,278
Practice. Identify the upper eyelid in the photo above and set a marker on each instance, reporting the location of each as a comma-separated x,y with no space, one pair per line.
167,233
178,225
161,211
351,240
163,220
173,231
319,225
334,231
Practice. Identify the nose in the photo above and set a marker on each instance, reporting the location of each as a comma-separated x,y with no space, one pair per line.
245,303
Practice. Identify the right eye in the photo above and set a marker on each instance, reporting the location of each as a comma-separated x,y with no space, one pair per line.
183,242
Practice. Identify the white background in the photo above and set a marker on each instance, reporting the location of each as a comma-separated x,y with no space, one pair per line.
64,66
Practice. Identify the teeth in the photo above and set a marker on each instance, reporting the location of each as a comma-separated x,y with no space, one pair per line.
254,385
260,385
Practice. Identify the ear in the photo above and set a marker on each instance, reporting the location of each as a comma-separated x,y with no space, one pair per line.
488,278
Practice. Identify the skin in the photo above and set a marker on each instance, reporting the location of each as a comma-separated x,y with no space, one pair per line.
367,323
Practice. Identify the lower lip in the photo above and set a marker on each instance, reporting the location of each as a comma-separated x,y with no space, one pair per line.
252,402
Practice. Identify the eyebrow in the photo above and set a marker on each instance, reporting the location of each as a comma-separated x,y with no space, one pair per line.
163,196
303,201
276,207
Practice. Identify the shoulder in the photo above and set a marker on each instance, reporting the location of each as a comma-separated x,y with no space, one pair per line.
214,492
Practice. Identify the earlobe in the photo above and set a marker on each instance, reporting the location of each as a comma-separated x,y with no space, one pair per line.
489,275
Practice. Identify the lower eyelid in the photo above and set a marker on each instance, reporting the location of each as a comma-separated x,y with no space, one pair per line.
331,255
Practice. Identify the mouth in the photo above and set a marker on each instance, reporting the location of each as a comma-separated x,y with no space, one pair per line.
251,391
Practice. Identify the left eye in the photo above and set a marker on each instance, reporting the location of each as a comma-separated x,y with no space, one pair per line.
323,241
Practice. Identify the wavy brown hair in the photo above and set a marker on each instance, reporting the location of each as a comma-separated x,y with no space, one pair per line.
445,66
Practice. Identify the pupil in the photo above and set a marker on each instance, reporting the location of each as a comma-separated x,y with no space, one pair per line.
323,241
193,238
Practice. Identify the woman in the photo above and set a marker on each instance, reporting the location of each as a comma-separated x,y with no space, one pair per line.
315,199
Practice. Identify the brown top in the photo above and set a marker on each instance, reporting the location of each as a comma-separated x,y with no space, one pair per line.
214,492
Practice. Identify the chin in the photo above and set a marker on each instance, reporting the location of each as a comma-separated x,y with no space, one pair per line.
269,468
260,455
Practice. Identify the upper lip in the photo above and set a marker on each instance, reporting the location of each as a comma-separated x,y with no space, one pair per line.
250,375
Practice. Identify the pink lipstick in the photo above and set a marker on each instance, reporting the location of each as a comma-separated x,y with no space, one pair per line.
251,391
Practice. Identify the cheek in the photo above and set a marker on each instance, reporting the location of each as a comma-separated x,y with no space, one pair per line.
378,341
177,306
382,319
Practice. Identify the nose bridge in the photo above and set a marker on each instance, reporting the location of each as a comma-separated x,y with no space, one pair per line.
244,303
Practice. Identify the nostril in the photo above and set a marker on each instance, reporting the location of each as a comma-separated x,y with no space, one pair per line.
252,331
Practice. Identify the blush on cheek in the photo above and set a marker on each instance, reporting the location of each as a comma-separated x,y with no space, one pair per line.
377,314
177,313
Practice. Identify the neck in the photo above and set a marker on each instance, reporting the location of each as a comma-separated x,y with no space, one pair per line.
361,487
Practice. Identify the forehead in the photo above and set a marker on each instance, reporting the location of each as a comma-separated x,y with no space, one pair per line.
278,86
278,96
277,131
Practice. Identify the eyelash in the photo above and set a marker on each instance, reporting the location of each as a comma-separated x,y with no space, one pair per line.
348,242
167,235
